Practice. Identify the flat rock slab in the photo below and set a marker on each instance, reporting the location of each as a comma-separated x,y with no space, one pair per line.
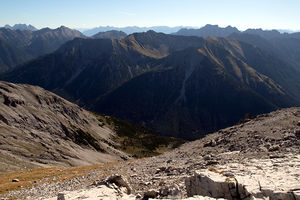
276,179
96,193
195,198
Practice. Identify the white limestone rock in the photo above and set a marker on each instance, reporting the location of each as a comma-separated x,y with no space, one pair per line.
276,179
102,192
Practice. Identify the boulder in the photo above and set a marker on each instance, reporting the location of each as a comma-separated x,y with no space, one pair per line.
211,184
274,148
254,179
115,180
172,192
150,194
102,192
61,196
120,181
211,143
297,133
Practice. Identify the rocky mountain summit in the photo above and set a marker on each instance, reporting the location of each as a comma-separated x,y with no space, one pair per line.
208,30
110,35
21,27
256,159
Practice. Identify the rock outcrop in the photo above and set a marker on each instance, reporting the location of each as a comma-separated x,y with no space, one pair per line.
276,179
102,192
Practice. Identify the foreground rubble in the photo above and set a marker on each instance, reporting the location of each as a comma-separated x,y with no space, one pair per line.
258,159
272,178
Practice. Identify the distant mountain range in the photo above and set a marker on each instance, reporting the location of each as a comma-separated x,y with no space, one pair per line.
183,86
132,29
216,31
284,45
110,35
208,30
21,27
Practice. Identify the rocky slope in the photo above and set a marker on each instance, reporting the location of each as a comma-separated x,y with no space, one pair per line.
40,129
282,45
257,159
189,96
11,56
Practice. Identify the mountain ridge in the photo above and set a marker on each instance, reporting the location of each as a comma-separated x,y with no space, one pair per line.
101,73
113,34
208,30
131,29
21,27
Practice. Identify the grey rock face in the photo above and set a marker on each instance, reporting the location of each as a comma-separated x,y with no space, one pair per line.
117,180
252,179
39,129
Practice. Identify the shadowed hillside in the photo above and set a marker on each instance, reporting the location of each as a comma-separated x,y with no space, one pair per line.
176,85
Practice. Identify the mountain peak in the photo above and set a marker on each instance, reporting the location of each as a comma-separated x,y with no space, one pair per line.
63,27
209,30
151,31
21,27
211,26
113,34
8,26
264,33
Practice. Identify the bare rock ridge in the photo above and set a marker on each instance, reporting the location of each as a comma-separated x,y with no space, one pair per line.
257,159
110,35
38,129
255,179
21,27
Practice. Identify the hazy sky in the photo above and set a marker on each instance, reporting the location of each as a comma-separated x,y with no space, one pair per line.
267,14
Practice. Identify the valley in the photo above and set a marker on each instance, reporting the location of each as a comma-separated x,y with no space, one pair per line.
39,129
180,86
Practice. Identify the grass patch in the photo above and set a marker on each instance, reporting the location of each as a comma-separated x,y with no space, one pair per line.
137,140
32,177
214,170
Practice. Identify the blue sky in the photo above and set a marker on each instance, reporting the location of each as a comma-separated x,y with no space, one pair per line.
267,14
